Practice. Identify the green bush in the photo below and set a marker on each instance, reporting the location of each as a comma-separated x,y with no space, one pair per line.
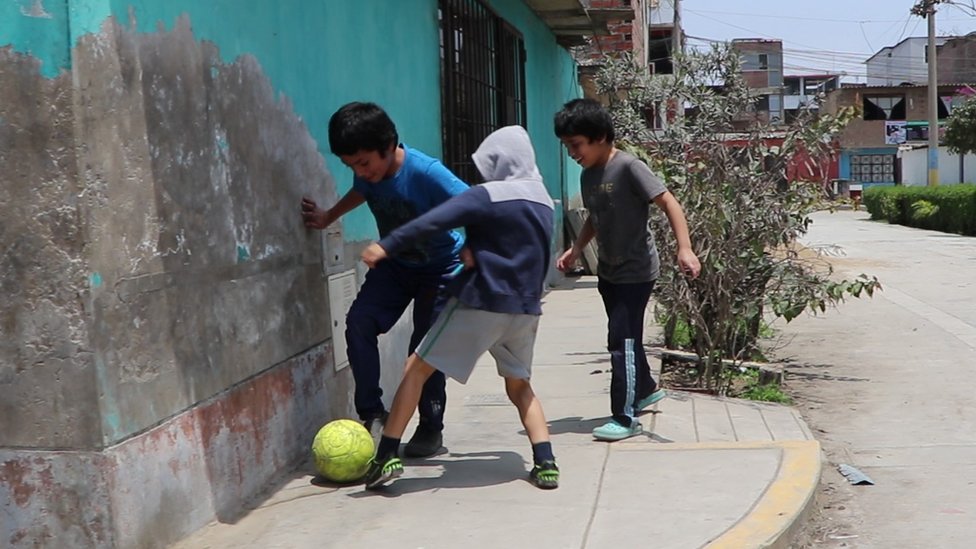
948,208
922,212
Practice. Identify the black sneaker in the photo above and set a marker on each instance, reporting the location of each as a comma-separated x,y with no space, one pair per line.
423,443
545,475
375,425
379,473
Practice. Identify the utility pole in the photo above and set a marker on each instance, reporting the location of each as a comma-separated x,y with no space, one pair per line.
926,8
677,40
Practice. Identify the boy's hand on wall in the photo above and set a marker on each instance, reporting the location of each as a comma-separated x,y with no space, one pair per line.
373,254
313,216
688,263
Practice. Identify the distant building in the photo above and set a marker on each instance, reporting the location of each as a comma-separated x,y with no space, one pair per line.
800,92
893,118
762,70
957,59
650,29
663,26
907,62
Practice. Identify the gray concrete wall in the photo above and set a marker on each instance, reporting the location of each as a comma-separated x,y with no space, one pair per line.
47,376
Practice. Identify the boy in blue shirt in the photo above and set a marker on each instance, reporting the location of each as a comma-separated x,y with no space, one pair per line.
494,306
398,184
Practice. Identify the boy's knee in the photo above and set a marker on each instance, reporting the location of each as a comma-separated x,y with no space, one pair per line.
360,321
417,367
517,388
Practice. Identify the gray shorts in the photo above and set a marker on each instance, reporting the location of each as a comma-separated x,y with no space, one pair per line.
461,335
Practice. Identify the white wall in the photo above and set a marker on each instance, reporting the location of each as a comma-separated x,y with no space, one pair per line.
914,167
904,62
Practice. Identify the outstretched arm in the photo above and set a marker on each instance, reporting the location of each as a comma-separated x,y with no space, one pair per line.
687,260
569,258
467,208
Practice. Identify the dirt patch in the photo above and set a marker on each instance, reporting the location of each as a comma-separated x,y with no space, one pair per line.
833,524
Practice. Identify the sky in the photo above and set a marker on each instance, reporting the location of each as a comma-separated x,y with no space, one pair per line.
819,36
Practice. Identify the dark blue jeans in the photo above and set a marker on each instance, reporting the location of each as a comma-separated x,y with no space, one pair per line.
388,290
630,374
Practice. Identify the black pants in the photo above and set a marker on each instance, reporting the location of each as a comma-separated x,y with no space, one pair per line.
384,296
630,374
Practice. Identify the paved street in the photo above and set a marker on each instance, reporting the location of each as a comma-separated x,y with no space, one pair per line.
887,384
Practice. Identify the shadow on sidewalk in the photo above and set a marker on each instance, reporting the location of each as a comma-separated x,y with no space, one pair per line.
810,372
470,470
574,283
582,426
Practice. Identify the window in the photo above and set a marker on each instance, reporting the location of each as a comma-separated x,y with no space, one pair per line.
482,80
792,86
763,61
659,56
884,107
873,168
762,103
775,110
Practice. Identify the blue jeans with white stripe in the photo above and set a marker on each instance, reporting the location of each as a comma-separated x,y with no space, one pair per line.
630,373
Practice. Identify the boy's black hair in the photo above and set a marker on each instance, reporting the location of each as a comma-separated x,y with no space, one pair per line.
586,117
361,127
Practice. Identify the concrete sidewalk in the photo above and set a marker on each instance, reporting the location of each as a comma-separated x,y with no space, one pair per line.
708,472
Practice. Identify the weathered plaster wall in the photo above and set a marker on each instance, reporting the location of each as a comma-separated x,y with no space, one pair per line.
47,379
38,28
163,308
161,485
194,169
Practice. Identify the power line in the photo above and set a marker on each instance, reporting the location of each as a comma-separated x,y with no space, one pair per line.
821,19
907,19
845,56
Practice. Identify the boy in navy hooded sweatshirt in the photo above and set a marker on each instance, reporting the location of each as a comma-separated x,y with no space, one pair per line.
494,306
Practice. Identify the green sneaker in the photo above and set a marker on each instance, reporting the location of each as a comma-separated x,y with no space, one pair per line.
614,431
545,475
379,474
652,398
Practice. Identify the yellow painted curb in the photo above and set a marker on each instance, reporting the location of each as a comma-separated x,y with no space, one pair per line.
785,503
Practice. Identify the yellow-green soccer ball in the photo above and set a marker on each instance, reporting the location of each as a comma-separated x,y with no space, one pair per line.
342,450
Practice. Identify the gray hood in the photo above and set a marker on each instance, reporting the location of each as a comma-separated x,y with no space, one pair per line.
507,155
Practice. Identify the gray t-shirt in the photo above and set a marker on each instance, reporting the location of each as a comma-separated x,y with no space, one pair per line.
618,196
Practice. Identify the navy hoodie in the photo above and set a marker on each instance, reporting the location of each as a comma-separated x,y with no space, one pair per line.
508,222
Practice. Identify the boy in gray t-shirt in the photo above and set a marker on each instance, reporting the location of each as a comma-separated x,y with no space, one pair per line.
617,189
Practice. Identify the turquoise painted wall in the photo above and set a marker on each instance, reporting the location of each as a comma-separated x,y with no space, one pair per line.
322,54
38,29
550,75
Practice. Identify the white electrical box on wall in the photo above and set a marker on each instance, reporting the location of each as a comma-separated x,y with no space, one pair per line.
332,250
342,292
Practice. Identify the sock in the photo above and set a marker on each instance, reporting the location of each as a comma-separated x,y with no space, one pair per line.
542,451
388,448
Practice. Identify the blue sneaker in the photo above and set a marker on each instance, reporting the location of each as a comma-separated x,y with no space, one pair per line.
652,398
613,431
